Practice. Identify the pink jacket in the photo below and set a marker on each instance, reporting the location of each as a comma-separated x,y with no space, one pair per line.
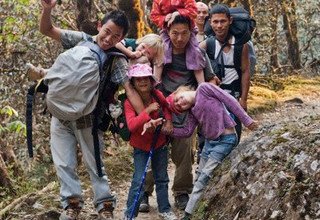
160,8
135,124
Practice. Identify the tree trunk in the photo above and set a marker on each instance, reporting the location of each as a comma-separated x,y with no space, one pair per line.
230,3
247,4
274,62
128,7
85,18
290,28
135,12
4,175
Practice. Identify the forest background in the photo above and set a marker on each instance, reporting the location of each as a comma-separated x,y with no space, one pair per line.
286,41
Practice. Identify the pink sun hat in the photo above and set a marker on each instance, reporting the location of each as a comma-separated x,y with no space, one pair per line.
141,70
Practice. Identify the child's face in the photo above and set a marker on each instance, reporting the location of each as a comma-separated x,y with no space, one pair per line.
142,84
147,51
182,101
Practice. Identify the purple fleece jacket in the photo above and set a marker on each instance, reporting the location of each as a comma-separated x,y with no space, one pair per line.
209,111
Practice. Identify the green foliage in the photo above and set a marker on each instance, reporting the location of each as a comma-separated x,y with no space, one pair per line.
16,126
201,210
7,110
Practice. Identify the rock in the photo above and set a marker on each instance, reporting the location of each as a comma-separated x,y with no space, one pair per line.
275,214
300,159
314,166
49,215
294,100
37,205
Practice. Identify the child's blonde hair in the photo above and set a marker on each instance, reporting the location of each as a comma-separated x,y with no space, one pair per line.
154,41
183,89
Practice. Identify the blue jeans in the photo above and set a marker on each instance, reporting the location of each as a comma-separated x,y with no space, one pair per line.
213,153
159,165
219,148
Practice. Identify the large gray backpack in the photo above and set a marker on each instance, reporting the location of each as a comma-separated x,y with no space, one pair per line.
73,81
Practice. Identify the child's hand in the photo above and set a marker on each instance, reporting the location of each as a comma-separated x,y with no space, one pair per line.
35,73
243,104
168,17
151,125
173,16
167,127
215,80
135,55
152,107
253,126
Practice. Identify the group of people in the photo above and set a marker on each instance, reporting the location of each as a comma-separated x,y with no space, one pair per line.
168,80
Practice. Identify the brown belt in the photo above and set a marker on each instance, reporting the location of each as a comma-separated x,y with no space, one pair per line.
81,123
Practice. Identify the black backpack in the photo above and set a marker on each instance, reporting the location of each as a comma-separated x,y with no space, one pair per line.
241,28
100,120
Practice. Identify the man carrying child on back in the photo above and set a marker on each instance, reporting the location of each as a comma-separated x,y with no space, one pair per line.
65,135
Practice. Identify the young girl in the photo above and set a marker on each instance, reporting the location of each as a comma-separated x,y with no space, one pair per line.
148,49
142,80
162,14
207,109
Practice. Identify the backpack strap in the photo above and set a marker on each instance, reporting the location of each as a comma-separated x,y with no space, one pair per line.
211,47
38,87
99,54
235,86
106,64
216,61
105,61
237,58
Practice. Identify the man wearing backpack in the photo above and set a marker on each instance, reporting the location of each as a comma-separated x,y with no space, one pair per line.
231,59
65,134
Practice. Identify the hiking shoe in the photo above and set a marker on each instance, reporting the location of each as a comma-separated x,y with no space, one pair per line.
186,216
72,211
144,205
168,216
181,201
106,212
34,73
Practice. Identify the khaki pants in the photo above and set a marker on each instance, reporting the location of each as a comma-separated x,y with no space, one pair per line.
182,155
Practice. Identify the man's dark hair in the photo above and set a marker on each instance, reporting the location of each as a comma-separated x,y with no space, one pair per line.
179,19
220,9
119,18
